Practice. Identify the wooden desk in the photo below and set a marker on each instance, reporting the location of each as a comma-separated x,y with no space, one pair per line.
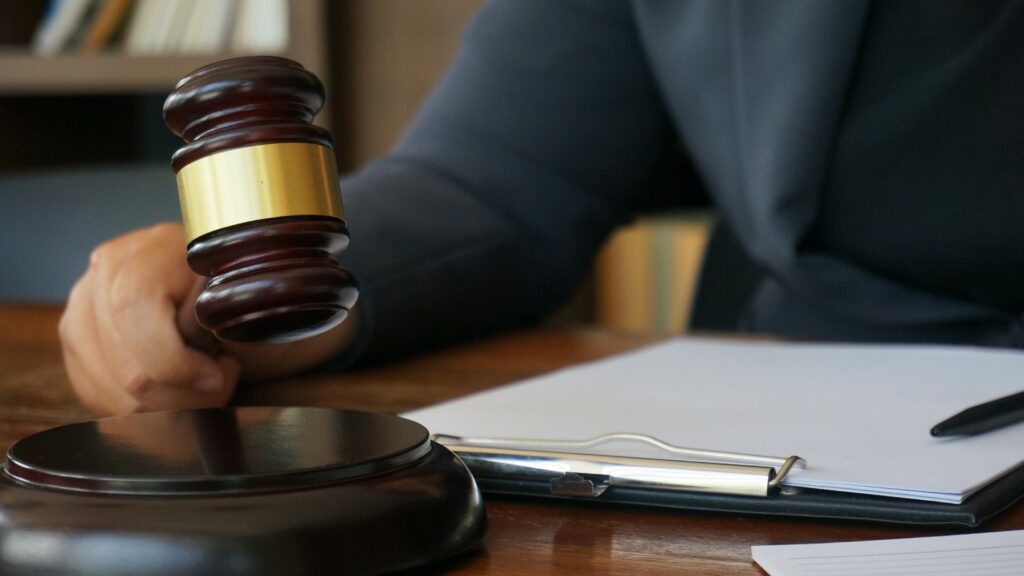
525,537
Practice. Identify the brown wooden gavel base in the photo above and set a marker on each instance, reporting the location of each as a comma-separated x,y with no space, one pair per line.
236,491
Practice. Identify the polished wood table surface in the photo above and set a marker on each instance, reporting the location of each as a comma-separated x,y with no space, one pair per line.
526,537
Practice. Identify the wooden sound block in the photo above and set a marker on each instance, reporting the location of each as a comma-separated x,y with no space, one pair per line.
255,491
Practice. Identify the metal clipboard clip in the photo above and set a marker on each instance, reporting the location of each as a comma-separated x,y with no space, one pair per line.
572,473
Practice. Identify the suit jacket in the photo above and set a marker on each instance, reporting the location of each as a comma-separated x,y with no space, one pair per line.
869,156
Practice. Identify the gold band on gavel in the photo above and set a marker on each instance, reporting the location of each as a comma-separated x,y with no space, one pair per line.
257,182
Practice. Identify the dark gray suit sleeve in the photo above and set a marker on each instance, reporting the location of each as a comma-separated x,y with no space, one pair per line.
534,145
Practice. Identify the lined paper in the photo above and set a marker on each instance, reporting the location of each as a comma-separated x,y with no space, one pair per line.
989,554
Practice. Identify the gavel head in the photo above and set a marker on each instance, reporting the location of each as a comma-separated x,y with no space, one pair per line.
260,200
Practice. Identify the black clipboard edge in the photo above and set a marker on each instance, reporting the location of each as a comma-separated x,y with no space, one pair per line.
995,498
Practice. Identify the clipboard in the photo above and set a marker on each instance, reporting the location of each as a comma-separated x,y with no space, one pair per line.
710,481
859,414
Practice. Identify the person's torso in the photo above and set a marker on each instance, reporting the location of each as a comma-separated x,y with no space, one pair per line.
878,147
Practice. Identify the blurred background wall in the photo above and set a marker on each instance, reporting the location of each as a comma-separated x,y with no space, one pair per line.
84,153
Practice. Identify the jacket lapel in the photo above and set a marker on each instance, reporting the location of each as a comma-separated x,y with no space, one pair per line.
792,66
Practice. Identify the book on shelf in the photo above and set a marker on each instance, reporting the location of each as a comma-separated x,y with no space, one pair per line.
163,27
172,31
210,26
261,26
646,274
110,19
61,21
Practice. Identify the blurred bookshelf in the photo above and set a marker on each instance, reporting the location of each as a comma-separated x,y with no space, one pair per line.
24,73
82,81
70,65
377,58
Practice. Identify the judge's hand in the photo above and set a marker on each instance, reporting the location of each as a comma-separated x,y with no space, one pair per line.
131,342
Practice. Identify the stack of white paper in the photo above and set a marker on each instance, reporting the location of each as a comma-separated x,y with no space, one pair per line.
860,415
993,554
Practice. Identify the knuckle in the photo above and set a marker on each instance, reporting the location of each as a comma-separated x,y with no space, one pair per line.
126,290
165,229
124,246
102,255
120,405
138,383
169,236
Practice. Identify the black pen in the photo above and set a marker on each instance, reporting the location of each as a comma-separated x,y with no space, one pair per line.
983,417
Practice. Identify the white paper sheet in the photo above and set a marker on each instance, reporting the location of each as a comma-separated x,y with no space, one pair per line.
991,554
860,415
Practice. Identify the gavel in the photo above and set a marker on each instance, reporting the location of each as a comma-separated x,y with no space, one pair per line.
260,200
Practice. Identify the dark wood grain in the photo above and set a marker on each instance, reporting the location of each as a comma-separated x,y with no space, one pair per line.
525,537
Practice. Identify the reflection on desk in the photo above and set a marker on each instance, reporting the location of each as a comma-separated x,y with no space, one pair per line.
525,537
